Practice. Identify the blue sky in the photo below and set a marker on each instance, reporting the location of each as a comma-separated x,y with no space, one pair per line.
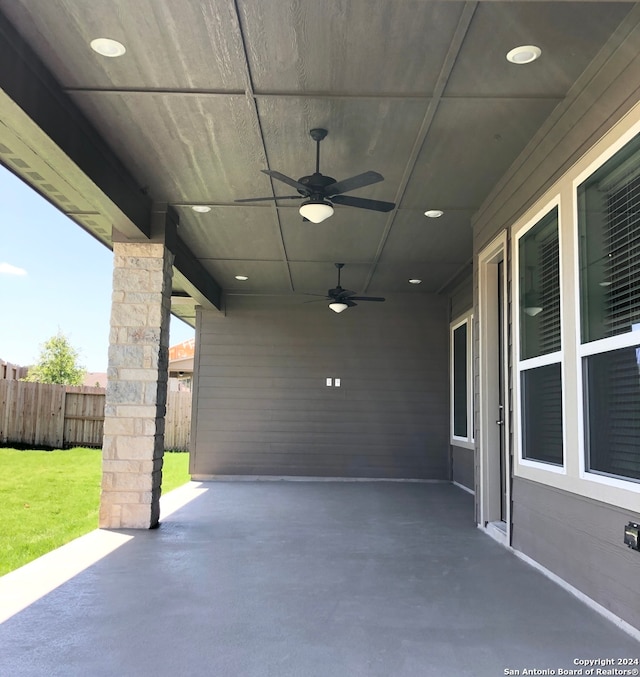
53,277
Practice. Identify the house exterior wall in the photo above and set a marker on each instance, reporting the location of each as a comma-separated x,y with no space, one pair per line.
462,467
461,297
580,540
568,522
262,406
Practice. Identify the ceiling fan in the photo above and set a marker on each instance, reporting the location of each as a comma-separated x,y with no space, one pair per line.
341,299
323,191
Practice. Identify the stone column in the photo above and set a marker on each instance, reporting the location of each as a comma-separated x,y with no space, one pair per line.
137,388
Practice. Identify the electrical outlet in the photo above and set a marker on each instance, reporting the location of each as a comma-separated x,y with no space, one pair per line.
329,382
336,383
631,532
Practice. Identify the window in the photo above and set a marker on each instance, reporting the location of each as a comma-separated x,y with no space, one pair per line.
461,382
460,385
542,414
539,365
612,389
575,346
609,241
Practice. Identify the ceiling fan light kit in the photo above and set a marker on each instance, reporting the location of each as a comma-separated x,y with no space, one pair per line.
316,211
321,192
341,299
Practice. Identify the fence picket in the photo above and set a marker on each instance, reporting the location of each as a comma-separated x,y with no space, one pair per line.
56,416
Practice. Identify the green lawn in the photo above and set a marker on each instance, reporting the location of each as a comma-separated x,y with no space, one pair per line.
48,498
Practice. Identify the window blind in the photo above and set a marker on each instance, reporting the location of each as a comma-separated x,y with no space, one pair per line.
542,414
622,246
549,266
613,381
613,378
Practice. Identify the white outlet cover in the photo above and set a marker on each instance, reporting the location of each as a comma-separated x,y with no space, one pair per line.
329,382
337,383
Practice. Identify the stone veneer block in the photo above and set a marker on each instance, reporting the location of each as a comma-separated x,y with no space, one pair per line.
137,389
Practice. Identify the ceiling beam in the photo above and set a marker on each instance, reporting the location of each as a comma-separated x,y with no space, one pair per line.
37,114
464,23
251,98
198,282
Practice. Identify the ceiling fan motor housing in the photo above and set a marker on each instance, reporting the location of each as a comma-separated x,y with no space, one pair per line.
316,183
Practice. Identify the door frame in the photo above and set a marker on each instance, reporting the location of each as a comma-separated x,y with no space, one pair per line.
488,482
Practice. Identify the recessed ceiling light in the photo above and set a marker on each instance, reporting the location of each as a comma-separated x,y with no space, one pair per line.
415,280
242,278
108,47
434,213
524,54
201,209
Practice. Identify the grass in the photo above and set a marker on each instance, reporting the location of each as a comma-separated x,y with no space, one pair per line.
48,498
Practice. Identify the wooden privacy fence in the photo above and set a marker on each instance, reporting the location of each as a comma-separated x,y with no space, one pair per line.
41,414
177,426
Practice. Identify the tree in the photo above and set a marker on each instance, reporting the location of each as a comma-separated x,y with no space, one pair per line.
58,363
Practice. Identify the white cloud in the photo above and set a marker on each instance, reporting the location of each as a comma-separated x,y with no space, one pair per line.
8,269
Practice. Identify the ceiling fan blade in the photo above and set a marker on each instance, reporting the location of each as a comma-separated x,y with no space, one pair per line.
262,199
285,179
363,203
359,181
366,298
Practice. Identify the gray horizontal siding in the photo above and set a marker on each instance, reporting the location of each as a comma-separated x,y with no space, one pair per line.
462,461
301,404
581,541
318,460
262,406
461,298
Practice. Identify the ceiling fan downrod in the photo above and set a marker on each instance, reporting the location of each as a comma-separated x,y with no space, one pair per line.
317,135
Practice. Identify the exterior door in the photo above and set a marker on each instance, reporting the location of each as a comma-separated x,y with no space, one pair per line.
493,453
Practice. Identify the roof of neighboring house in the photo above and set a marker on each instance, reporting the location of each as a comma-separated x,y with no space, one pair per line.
181,356
95,378
182,351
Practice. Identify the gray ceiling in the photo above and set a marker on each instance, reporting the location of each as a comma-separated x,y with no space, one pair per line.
210,92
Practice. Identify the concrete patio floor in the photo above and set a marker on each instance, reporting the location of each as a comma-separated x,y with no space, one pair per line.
308,579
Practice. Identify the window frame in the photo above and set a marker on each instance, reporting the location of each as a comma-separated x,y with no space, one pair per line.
467,442
622,494
598,346
520,366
